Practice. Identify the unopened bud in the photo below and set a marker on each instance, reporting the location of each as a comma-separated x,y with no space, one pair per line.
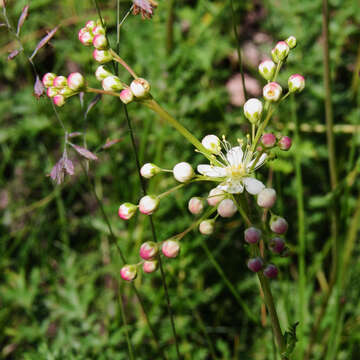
51,92
268,140
150,266
266,198
274,56
101,73
98,30
277,245
278,224
291,41
170,248
252,235
140,87
284,143
102,56
267,69
226,208
195,205
255,264
112,83
75,81
272,91
90,25
296,83
148,204
271,271
148,170
100,42
281,50
85,37
211,143
66,92
126,96
48,79
128,272
60,82
127,211
215,196
59,100
149,250
253,110
206,227
183,172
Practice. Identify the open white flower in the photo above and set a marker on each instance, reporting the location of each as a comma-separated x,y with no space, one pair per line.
235,169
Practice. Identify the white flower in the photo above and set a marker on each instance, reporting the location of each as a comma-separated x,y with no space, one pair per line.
234,170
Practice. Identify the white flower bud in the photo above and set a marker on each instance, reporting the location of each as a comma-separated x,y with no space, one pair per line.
267,69
296,83
291,41
272,91
206,227
100,42
140,87
183,172
266,198
281,50
101,73
148,204
148,170
102,56
195,205
75,81
112,83
215,196
226,208
48,79
253,110
212,143
127,211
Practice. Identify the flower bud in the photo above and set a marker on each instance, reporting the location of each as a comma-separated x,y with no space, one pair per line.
150,266
98,30
149,250
255,264
253,109
128,272
51,92
267,69
271,271
215,196
126,96
85,37
281,50
183,172
100,42
90,25
252,235
284,143
75,81
266,198
60,82
170,248
291,41
206,227
48,79
296,83
140,87
278,225
66,92
148,204
211,143
226,208
277,245
59,100
195,205
148,170
102,56
272,91
274,56
127,211
101,73
268,140
112,83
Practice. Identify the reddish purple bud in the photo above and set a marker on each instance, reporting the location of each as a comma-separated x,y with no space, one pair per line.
271,271
255,264
284,143
128,272
59,100
150,266
278,225
170,248
252,235
148,250
268,140
277,245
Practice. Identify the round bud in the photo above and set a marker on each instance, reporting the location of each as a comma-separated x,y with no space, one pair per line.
140,87
127,211
75,81
284,143
268,140
85,37
281,50
211,143
60,82
266,198
126,96
48,79
253,109
170,248
255,264
267,69
100,42
51,92
90,25
112,83
278,225
271,271
226,208
101,73
215,196
148,170
148,204
66,92
206,227
149,250
128,272
277,245
102,56
98,30
195,205
59,100
272,91
252,235
291,41
296,83
183,172
150,266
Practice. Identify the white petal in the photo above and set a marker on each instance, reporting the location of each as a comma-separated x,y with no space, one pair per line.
235,156
212,171
259,162
231,186
253,186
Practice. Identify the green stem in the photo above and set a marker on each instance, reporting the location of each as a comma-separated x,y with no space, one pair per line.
261,129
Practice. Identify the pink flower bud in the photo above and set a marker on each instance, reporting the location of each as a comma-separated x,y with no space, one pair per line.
272,91
266,198
267,69
170,248
85,37
128,272
215,196
206,227
296,83
100,42
127,211
126,96
51,92
102,56
149,170
281,50
271,271
48,79
252,235
284,143
60,82
149,250
226,208
278,225
150,266
75,81
140,87
98,30
101,73
291,41
195,205
112,83
183,172
268,140
59,100
90,25
148,204
277,245
255,264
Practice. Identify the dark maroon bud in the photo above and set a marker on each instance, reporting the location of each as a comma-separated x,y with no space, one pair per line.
271,271
277,245
255,264
252,235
